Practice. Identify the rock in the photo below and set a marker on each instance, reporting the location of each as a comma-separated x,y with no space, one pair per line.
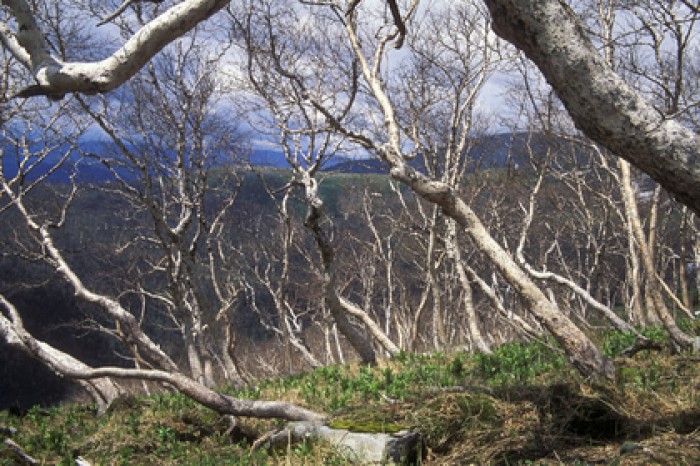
364,448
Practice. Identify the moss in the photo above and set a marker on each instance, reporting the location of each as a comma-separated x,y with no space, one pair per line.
370,419
367,426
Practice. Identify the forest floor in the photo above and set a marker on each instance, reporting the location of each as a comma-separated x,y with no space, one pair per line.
521,405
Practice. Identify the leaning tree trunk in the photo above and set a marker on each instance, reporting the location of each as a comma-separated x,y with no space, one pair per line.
67,366
584,355
102,390
653,289
601,103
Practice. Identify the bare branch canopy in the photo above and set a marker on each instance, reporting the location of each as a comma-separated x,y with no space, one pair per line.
602,104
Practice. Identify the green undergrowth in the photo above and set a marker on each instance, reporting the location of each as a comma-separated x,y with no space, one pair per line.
522,404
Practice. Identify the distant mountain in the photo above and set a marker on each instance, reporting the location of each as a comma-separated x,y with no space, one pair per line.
73,167
347,165
495,151
267,158
275,158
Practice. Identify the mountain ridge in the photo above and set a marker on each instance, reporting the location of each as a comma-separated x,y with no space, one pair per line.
86,163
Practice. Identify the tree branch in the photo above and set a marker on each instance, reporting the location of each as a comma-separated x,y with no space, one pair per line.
601,103
19,451
121,9
56,78
12,331
398,22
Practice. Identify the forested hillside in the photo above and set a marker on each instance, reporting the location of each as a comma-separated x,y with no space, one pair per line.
198,194
94,235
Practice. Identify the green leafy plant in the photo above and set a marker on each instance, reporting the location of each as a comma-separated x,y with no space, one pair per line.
615,342
518,363
442,395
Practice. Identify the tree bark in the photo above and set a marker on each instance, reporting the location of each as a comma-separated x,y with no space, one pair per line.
600,102
337,306
129,328
454,253
653,288
102,390
584,355
686,224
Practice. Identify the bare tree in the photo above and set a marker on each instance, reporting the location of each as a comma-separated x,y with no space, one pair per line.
275,270
602,104
279,71
665,29
584,355
173,193
171,140
161,367
28,158
439,89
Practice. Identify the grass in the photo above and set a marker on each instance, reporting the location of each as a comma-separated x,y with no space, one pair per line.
523,404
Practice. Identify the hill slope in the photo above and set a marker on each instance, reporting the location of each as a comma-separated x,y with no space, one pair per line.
521,404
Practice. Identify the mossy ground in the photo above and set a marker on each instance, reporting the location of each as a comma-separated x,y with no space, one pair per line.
521,405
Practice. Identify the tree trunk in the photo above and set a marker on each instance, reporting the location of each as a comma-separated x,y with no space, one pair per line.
636,310
584,355
67,366
683,260
102,390
454,253
357,339
653,290
600,102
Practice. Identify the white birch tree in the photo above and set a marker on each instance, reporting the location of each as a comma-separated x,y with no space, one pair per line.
608,109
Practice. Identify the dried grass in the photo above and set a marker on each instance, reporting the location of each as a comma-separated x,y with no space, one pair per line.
577,422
